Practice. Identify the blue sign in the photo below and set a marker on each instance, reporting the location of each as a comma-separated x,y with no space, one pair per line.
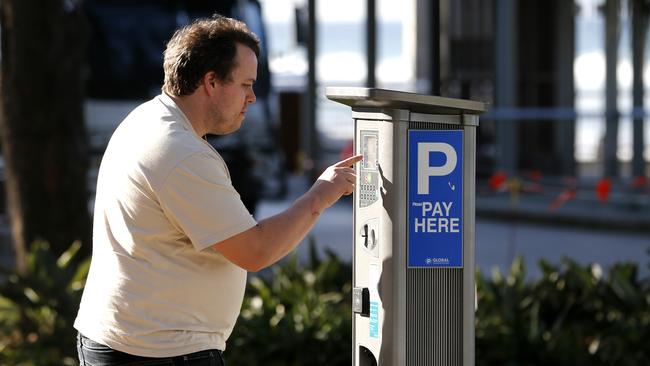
435,198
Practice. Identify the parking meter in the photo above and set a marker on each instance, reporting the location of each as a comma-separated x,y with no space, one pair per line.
413,250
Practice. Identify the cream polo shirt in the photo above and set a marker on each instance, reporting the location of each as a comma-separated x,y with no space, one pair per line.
164,196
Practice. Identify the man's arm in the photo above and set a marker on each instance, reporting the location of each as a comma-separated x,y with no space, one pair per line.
273,238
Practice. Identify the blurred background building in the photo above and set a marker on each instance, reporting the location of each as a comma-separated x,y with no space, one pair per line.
541,65
566,135
565,141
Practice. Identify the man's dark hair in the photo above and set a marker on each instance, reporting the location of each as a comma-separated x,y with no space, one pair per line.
204,45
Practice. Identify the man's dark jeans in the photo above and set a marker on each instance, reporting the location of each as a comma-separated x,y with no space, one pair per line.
92,353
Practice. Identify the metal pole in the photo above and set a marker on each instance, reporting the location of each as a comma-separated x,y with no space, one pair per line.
371,43
506,81
435,47
639,28
314,146
611,9
423,46
564,129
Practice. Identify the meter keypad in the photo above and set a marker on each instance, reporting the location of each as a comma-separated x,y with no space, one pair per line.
367,194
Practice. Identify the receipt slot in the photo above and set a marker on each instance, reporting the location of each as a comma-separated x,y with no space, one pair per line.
413,257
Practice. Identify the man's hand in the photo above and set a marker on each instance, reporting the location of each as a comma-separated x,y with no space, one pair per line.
336,181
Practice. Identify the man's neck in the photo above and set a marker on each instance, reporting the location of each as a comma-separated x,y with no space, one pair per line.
190,107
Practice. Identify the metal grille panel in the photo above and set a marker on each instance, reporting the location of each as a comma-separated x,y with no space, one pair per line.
433,126
434,316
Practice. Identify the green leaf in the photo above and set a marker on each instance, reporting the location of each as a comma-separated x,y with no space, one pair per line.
65,257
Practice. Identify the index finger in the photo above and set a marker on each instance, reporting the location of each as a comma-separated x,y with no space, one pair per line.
350,161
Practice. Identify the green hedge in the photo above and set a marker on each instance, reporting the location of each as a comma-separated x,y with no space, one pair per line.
571,315
38,308
299,314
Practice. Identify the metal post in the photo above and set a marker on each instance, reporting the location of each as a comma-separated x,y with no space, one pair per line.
371,43
435,47
639,27
314,147
611,9
564,130
506,81
422,47
431,44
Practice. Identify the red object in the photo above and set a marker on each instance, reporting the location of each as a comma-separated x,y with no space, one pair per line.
603,187
564,197
498,180
639,182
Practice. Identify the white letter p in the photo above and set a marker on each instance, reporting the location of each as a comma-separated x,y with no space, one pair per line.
425,171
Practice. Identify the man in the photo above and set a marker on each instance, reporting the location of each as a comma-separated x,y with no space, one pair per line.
172,240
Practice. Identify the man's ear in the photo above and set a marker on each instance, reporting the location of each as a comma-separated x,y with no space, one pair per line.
210,82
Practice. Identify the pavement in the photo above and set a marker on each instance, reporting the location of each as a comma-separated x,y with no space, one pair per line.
623,210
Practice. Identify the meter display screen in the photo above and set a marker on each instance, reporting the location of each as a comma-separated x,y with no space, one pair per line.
369,151
369,177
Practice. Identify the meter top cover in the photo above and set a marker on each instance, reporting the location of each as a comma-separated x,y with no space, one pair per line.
420,103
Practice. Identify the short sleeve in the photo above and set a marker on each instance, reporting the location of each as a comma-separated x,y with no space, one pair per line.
198,198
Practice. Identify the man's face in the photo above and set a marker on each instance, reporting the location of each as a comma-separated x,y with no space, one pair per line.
229,104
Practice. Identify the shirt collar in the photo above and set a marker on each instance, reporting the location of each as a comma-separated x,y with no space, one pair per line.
169,103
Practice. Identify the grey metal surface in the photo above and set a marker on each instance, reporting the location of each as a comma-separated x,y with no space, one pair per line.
434,317
399,213
376,114
469,241
390,99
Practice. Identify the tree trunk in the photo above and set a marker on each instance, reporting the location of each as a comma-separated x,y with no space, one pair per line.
42,126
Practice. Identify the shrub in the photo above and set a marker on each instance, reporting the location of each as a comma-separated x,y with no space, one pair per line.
38,307
301,315
572,315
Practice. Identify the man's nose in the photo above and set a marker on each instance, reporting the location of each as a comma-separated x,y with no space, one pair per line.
251,97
